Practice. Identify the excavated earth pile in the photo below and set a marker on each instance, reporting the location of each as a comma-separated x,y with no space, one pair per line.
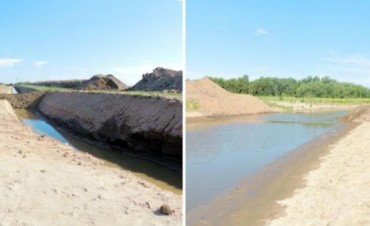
149,125
102,82
159,80
212,100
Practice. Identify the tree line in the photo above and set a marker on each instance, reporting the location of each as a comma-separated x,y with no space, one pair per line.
311,86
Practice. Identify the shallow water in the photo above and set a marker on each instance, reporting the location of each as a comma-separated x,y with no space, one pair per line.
221,154
155,173
14,91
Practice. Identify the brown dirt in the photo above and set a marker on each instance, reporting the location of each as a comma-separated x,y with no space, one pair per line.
159,80
102,82
360,114
45,182
215,101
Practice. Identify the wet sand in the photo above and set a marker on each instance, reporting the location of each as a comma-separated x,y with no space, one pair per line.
253,200
44,182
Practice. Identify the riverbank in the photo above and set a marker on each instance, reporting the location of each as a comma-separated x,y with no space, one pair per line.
45,182
336,193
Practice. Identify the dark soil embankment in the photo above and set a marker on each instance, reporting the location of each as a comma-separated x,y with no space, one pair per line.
159,80
144,125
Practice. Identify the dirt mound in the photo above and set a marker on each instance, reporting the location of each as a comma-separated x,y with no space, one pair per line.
209,99
360,114
160,79
102,82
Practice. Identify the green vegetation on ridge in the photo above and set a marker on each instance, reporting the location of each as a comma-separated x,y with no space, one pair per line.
169,95
192,105
310,87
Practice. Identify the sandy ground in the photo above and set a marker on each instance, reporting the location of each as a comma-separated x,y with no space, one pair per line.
44,182
336,193
5,89
215,101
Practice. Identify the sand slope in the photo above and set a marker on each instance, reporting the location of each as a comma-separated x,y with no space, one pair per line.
44,182
215,101
5,89
337,193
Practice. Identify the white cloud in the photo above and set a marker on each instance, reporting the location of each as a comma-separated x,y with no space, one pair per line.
40,63
9,62
261,31
353,68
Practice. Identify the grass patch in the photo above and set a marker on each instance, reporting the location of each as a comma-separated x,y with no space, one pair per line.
192,105
43,88
170,95
316,100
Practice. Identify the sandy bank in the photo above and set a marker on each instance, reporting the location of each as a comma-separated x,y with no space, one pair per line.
44,182
336,193
208,99
5,89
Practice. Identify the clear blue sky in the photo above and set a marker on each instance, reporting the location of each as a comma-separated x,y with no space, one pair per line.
63,39
279,38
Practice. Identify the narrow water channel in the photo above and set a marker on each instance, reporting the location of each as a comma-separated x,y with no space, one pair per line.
221,154
153,172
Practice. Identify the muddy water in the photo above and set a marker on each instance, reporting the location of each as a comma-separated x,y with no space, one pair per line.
155,173
221,153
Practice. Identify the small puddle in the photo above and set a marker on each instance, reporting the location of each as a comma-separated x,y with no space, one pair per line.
150,171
